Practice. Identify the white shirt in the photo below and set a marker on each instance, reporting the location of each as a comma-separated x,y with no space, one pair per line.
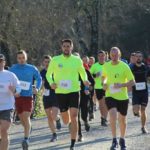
7,99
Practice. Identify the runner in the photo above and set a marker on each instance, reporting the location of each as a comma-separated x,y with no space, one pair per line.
140,90
49,101
85,98
132,59
9,87
24,104
93,100
96,71
66,69
117,76
91,61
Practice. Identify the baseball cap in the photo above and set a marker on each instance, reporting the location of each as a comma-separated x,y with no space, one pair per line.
2,57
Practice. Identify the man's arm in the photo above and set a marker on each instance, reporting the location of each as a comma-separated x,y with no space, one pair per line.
38,79
49,75
83,74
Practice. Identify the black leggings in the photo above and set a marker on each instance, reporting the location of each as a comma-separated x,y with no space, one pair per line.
83,109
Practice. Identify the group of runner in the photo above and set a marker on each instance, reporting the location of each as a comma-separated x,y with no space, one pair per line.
71,85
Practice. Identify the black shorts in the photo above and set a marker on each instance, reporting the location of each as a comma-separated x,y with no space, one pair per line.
67,101
140,98
122,105
6,115
100,93
50,101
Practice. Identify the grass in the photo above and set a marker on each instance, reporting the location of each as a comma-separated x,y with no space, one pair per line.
39,109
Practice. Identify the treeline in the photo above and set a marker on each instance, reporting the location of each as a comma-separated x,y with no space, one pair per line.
39,25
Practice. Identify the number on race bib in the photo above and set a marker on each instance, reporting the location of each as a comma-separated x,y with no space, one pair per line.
65,84
25,85
114,90
140,86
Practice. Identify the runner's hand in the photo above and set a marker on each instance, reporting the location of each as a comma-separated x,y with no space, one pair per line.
35,91
12,88
105,87
117,85
53,86
87,83
17,95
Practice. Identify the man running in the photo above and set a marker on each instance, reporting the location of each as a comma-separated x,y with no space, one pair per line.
96,71
85,98
9,87
140,90
49,101
91,61
63,76
132,59
117,76
24,104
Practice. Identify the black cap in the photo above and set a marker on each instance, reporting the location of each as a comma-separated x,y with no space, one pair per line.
2,57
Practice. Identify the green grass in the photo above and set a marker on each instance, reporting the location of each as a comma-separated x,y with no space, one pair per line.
39,109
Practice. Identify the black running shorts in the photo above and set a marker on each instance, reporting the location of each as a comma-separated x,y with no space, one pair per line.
66,101
120,105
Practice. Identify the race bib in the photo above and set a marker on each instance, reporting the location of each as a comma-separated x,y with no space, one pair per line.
140,86
46,92
114,90
4,87
25,85
65,84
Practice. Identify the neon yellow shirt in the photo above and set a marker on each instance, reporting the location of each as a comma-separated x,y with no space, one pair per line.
97,68
65,71
119,73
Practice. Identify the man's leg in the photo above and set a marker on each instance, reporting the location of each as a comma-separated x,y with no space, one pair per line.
66,117
74,125
21,119
143,119
4,127
143,116
50,119
103,112
136,110
27,123
84,110
122,124
113,119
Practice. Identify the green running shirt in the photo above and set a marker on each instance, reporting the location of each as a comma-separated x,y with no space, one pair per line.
65,71
97,68
120,73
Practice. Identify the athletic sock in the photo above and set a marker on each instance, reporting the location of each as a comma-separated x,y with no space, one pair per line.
73,142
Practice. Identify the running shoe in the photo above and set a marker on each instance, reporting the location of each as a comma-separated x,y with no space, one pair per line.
54,137
72,148
58,124
91,116
136,114
114,145
87,126
104,122
80,138
25,144
144,130
122,144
